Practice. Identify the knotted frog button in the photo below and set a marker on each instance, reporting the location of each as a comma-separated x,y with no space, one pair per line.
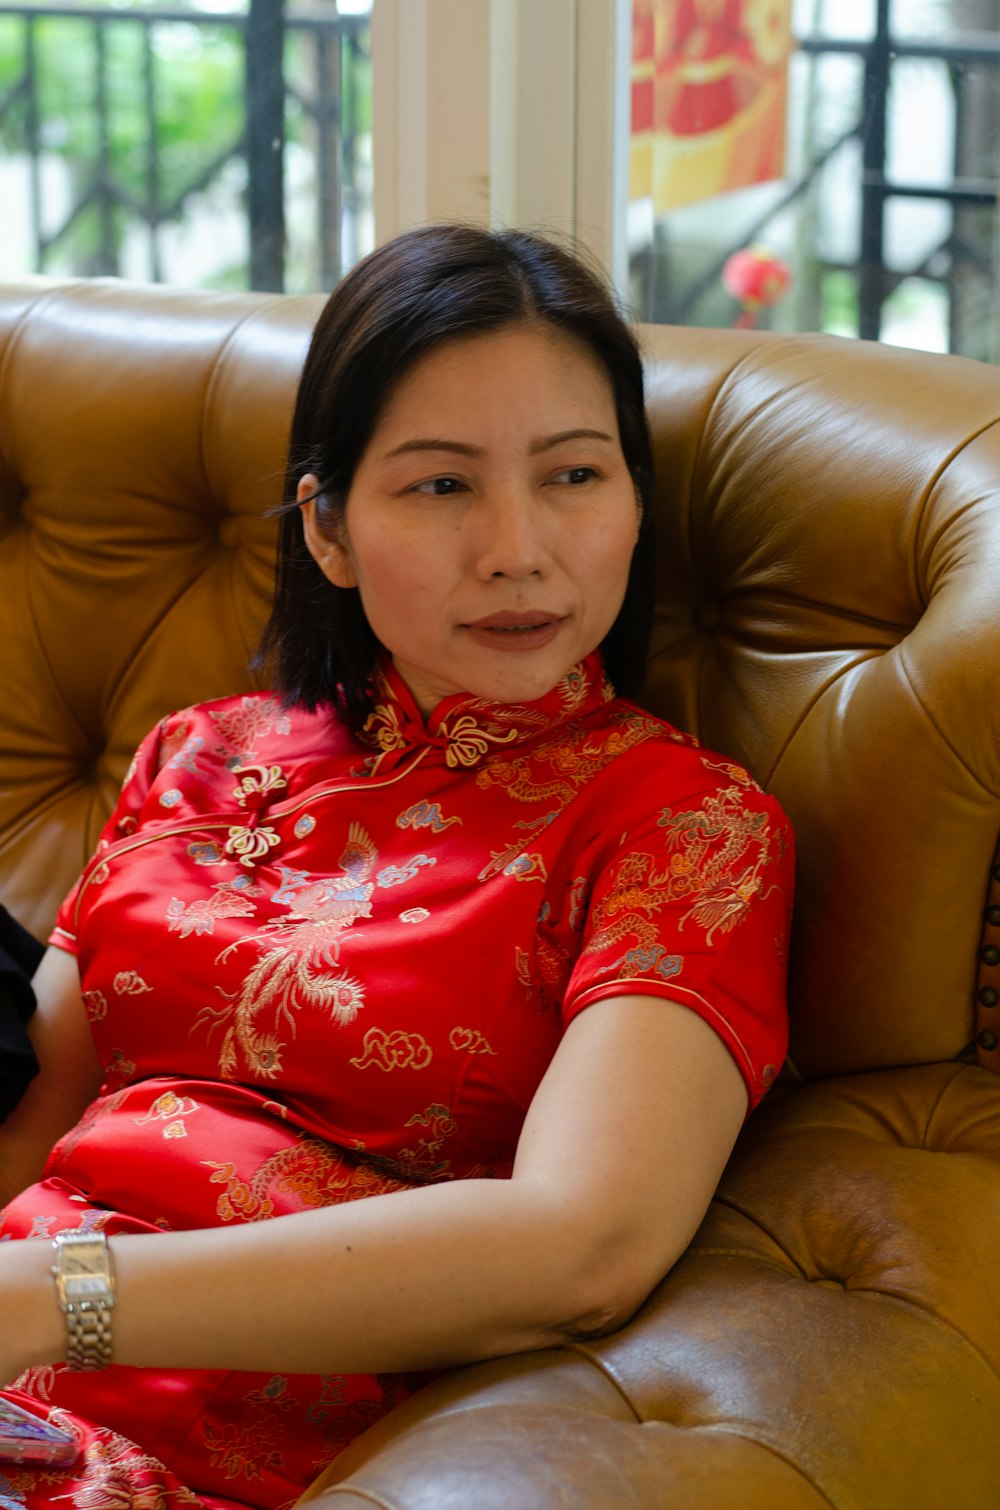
250,844
257,784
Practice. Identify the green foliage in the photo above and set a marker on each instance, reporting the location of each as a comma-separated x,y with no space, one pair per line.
149,110
839,302
195,74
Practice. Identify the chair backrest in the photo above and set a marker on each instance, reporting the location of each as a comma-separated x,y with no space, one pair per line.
830,613
142,432
829,562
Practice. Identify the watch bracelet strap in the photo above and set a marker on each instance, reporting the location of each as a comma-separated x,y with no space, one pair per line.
88,1325
88,1316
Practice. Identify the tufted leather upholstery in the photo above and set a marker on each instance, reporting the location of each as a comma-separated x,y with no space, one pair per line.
830,566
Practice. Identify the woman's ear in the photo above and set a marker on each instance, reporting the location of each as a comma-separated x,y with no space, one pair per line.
330,552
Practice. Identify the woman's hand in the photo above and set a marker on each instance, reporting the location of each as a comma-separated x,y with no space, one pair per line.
32,1327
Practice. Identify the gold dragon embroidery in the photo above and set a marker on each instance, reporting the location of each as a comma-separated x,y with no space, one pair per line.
716,855
312,1172
571,763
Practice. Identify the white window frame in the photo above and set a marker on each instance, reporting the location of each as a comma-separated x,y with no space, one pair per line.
504,112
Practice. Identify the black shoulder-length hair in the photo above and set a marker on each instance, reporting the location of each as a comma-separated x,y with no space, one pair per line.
409,297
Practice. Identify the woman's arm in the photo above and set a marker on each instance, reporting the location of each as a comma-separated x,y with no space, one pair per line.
68,1078
621,1151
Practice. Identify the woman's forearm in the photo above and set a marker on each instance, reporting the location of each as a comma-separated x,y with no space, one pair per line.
450,1273
437,1276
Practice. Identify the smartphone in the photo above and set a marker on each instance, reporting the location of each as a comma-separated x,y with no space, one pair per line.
26,1439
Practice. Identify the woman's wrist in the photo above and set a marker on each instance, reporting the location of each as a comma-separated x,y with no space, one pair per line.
85,1286
30,1301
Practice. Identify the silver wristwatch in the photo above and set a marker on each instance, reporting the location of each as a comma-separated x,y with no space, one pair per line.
85,1285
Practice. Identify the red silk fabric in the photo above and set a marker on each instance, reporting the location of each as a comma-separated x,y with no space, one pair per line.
319,968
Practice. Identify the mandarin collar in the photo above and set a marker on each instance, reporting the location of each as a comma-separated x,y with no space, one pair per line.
465,729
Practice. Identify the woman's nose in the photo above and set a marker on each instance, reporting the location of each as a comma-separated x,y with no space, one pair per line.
511,540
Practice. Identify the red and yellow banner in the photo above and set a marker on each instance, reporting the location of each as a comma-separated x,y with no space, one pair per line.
709,97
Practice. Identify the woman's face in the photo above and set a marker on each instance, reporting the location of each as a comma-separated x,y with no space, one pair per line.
491,519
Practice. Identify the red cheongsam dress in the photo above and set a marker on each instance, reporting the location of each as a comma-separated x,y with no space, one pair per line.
319,968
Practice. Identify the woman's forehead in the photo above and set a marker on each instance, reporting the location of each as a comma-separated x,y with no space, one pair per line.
523,375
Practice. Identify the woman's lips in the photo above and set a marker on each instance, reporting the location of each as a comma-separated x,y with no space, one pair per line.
511,630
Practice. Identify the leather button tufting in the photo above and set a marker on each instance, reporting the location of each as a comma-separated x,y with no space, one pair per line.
993,916
230,531
990,955
707,617
988,997
987,1041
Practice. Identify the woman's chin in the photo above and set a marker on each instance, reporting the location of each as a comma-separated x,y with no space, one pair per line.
495,676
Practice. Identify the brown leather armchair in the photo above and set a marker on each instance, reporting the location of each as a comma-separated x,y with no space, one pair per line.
830,614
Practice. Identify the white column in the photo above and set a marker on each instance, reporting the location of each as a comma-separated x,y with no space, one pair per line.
533,113
603,92
503,112
431,128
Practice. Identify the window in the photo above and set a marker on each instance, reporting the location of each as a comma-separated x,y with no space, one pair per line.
883,211
208,146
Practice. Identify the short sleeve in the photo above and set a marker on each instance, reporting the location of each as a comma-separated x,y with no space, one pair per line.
694,905
123,821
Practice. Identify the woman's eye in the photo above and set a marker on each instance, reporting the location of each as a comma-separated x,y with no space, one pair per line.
439,487
575,476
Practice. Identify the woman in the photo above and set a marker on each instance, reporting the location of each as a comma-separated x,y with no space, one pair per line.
448,926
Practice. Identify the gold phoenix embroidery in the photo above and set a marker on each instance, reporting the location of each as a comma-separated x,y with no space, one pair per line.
294,971
199,916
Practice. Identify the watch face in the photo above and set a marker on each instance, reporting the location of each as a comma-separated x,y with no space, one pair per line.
82,1261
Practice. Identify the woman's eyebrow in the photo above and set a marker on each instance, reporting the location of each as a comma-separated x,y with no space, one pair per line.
458,446
556,440
462,448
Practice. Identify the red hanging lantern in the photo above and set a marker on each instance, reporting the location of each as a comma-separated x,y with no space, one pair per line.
757,279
